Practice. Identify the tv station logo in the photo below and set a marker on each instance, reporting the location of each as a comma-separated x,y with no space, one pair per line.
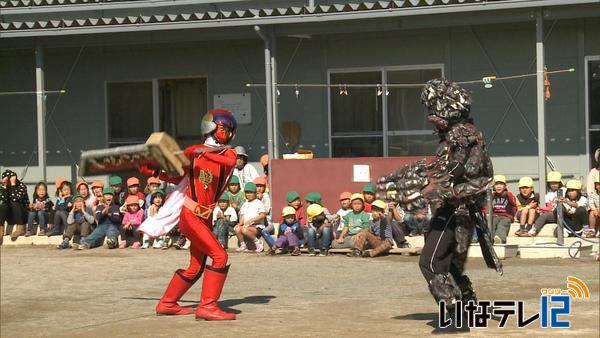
555,309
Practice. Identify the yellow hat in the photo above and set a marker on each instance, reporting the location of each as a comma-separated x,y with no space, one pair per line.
313,211
554,176
357,196
526,182
597,179
288,211
380,204
574,184
500,179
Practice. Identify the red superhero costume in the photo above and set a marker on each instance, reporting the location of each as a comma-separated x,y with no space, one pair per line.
209,173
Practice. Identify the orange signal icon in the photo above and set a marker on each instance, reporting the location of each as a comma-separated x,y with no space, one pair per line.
577,288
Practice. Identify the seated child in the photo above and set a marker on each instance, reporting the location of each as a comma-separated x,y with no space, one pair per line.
319,230
547,213
378,237
116,182
157,198
574,209
62,209
108,218
224,219
288,234
252,216
40,208
594,204
293,200
79,223
338,218
97,187
152,184
131,221
133,189
369,195
355,222
503,209
236,195
527,204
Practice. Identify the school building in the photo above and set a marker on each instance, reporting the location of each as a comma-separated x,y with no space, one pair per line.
128,68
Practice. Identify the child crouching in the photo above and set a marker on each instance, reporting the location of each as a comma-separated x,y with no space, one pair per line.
287,238
108,218
131,221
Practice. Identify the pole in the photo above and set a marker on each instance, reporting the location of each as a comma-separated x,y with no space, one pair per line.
541,118
268,93
41,109
274,95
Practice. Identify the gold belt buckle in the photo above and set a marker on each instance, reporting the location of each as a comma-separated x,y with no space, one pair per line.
203,211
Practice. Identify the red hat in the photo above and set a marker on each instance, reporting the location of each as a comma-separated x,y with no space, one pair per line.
59,181
262,180
81,183
345,195
97,184
151,180
132,199
133,181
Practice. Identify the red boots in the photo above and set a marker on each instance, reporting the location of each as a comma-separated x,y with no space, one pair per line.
212,285
176,289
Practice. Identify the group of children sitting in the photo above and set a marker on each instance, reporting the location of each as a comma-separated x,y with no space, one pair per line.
578,213
87,214
368,226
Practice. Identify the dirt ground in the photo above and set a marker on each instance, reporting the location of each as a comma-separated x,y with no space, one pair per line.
101,292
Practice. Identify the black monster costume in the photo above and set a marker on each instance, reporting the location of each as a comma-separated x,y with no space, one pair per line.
454,184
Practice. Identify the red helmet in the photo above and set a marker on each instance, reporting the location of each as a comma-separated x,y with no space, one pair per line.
221,124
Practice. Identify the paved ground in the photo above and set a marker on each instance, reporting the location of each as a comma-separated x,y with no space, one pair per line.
99,292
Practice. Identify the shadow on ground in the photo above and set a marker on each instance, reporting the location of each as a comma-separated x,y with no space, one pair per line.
225,305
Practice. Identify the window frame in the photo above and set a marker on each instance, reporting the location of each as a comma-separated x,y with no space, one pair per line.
155,82
385,133
588,127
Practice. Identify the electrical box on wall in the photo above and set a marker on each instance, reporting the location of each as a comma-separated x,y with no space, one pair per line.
240,104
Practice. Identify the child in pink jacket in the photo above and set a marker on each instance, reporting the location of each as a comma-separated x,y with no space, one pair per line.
131,221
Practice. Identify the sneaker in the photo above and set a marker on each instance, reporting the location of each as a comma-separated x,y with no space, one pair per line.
311,252
242,247
158,243
366,253
42,232
146,245
27,233
165,244
413,233
186,245
403,245
271,252
122,245
323,253
83,246
75,246
520,232
531,233
498,240
279,251
112,243
296,252
259,245
136,245
64,245
354,253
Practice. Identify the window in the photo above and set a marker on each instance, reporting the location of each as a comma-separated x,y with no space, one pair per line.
129,106
409,132
364,123
593,104
183,102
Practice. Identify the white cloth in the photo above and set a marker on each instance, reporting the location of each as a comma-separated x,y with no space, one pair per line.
581,202
552,196
228,212
251,209
168,215
247,174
